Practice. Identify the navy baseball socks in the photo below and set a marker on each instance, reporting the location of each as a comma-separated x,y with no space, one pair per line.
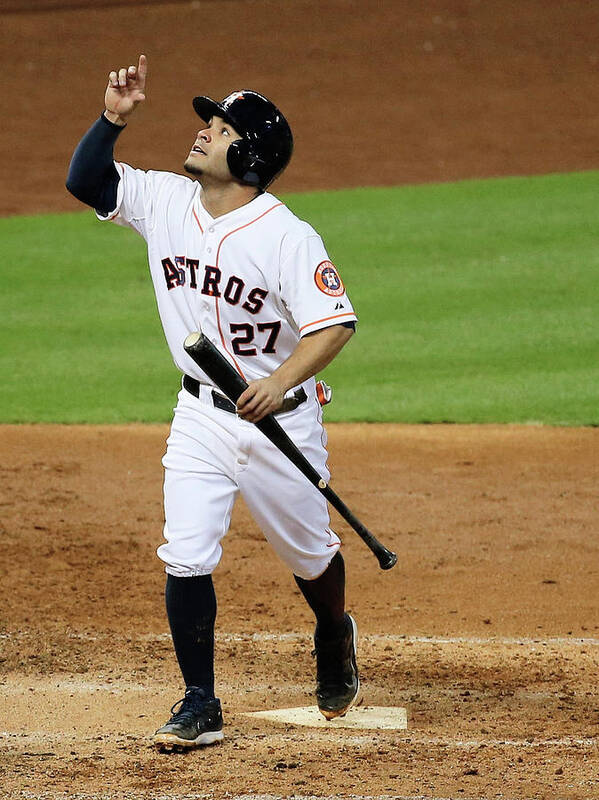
335,639
196,718
337,680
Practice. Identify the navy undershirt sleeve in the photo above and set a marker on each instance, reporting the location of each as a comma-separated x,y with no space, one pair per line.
92,177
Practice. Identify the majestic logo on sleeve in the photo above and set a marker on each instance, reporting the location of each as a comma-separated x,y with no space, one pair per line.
328,280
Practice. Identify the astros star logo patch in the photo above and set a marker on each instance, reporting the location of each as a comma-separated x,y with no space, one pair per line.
328,279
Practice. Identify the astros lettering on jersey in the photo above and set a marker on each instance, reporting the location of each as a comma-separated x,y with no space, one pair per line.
253,280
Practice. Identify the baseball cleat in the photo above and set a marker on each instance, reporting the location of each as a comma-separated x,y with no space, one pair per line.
195,722
337,680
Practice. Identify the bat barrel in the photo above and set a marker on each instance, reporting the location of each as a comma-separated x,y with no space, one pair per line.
215,365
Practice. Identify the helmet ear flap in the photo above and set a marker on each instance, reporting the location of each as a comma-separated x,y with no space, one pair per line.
244,163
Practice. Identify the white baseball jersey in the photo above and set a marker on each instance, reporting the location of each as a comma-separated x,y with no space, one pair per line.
254,281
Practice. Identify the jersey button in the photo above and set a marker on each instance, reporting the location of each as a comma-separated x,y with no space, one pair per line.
210,230
208,249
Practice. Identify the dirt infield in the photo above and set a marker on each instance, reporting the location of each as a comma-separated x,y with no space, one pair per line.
486,631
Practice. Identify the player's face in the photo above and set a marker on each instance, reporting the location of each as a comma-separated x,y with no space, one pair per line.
208,156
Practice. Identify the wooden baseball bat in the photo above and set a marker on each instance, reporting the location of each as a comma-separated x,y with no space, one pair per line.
231,384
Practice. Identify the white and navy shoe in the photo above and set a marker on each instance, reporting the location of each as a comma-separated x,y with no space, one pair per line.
195,722
337,680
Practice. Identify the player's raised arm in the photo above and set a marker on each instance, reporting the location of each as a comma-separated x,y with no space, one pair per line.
125,91
93,177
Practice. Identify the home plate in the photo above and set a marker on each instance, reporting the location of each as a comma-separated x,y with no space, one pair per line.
361,717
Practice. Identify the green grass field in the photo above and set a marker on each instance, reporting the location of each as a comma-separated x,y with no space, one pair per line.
478,302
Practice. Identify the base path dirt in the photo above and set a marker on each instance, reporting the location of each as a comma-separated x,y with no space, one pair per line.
486,631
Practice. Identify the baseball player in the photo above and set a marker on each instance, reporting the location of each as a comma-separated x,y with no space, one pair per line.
229,258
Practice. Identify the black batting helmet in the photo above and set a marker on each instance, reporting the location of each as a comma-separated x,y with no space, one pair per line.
267,143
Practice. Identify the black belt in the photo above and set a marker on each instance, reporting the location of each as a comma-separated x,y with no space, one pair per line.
218,400
224,404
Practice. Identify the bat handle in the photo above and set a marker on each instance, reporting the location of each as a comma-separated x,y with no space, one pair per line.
386,558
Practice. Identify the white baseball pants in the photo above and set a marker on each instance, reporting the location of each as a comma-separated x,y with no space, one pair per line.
212,455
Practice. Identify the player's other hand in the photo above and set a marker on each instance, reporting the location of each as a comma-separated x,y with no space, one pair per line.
262,397
125,90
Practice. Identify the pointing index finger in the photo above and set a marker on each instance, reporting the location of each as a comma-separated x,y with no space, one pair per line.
142,69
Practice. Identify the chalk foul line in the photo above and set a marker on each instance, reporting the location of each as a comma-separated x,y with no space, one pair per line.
263,636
